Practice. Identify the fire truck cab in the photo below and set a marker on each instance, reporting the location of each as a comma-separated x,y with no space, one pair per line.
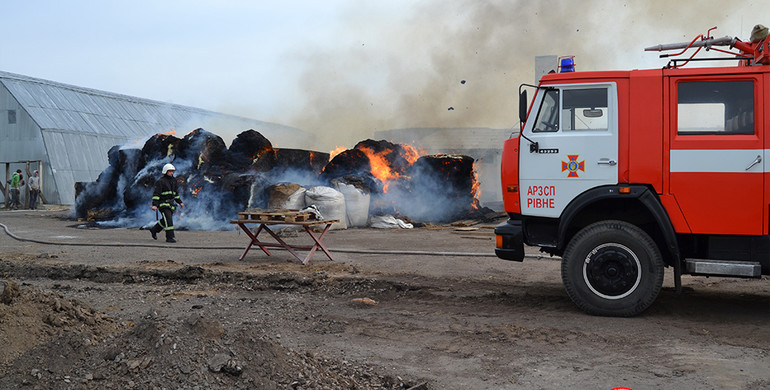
625,173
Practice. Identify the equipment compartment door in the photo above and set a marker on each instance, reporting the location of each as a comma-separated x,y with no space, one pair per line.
717,156
575,127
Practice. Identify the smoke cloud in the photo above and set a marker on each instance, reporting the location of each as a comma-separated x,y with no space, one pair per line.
458,64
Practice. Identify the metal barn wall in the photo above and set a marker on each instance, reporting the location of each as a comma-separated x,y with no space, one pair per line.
75,157
21,141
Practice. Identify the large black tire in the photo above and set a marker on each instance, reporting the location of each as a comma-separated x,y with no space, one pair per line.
612,268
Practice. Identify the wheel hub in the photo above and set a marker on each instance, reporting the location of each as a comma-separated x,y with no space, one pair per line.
612,271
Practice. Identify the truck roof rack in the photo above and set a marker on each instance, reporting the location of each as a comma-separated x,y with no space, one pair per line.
755,52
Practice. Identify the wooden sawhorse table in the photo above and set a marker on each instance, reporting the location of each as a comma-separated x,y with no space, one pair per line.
306,225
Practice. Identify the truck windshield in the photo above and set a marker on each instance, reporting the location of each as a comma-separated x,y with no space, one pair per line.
548,115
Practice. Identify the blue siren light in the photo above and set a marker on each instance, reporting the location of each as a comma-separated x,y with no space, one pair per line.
567,64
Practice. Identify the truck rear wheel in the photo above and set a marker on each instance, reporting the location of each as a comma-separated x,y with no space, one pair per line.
612,268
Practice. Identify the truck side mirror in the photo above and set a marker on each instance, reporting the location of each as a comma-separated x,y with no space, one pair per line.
523,106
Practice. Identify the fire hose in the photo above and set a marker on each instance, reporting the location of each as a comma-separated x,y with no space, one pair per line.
339,250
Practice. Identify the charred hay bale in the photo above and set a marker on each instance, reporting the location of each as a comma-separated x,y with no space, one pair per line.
247,148
200,147
258,196
376,146
287,159
101,193
351,162
129,161
139,187
159,146
264,162
238,185
250,144
196,183
454,170
297,165
441,188
113,156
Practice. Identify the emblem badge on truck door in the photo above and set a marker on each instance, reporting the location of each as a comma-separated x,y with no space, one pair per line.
573,165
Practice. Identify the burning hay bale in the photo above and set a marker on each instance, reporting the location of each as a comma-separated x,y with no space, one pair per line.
250,144
351,162
216,182
388,160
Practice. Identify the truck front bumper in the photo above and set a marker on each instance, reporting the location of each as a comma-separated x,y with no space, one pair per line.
509,241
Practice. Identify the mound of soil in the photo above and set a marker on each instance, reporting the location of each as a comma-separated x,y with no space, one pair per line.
52,342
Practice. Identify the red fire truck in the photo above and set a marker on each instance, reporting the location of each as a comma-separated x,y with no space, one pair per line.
625,173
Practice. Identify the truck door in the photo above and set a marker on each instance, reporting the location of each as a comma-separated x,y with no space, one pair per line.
576,130
717,153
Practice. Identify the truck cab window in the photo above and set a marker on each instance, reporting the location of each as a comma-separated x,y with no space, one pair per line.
716,107
585,109
548,115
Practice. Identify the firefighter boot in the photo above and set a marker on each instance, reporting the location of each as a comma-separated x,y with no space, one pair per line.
170,236
153,231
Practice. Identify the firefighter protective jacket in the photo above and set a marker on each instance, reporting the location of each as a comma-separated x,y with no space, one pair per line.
166,193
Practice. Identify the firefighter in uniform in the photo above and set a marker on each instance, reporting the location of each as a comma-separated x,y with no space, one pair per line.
163,199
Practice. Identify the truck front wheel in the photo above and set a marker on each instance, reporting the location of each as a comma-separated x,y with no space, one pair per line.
612,268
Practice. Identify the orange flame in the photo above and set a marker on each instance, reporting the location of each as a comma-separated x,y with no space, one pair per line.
196,190
381,168
476,188
336,151
411,153
170,132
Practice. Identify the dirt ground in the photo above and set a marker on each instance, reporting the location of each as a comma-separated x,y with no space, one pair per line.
111,308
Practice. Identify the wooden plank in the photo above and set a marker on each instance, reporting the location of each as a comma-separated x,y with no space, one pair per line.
313,222
282,215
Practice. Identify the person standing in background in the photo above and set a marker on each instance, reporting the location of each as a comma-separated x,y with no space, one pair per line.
15,183
34,189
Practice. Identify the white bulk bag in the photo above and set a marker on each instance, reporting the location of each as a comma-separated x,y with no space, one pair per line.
356,204
330,202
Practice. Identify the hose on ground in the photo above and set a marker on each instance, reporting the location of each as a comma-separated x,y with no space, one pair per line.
339,250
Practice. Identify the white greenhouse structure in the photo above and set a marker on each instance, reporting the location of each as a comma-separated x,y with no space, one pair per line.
65,131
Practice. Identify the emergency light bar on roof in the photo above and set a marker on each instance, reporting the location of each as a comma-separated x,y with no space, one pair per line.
755,52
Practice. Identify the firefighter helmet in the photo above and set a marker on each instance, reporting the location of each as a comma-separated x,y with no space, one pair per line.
168,167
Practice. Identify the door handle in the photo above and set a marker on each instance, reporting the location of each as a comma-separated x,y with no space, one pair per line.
755,162
607,161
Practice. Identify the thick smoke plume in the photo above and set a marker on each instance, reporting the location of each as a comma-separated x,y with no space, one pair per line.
456,64
217,182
